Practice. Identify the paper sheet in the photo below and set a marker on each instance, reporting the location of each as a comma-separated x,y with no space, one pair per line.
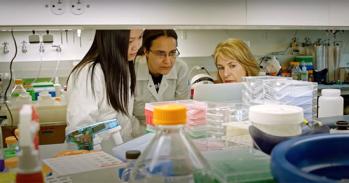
74,164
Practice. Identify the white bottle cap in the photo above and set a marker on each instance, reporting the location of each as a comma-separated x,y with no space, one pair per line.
331,92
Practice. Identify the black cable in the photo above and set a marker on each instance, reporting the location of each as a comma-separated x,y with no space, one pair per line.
11,117
11,63
203,68
9,84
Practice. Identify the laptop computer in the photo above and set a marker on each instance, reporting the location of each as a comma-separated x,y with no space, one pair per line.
223,92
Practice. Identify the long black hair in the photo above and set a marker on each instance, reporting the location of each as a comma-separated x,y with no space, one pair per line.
150,35
110,50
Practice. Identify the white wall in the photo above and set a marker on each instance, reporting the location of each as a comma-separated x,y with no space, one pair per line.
69,42
28,64
196,47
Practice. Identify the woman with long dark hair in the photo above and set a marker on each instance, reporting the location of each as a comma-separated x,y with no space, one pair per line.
101,86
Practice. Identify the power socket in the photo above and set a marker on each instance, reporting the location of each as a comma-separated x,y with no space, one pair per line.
77,7
57,7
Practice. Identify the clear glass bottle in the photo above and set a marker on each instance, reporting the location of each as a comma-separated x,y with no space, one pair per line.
304,72
295,73
170,156
131,157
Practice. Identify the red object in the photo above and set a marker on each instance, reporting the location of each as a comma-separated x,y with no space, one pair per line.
35,119
35,114
148,117
30,178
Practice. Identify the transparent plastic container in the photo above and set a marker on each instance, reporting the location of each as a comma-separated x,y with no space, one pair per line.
253,90
18,89
239,164
131,157
219,115
292,92
171,156
196,116
295,70
19,96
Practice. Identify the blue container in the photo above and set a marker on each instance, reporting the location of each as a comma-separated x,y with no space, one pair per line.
313,158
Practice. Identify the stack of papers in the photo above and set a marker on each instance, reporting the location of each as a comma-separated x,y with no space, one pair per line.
68,165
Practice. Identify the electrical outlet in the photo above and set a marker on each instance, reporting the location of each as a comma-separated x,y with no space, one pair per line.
57,7
77,7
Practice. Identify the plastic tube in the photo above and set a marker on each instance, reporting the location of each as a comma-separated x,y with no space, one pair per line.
40,66
57,66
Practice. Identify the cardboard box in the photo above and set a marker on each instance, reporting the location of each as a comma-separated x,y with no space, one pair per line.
48,134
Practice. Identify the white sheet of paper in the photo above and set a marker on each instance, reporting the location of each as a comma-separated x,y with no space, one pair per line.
74,164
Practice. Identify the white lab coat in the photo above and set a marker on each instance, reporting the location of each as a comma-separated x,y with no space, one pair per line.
174,86
84,109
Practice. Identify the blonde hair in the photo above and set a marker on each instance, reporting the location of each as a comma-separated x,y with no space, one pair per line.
236,49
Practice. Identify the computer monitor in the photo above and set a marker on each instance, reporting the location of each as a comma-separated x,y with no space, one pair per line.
224,92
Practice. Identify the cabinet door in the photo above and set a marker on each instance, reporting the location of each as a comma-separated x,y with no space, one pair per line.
193,12
288,13
338,13
127,13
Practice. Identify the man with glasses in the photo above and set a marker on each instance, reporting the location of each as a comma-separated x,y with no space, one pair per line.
160,75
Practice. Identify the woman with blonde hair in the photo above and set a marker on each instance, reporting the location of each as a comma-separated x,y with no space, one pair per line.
234,60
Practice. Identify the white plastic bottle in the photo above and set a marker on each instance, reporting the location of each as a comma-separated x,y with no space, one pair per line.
330,103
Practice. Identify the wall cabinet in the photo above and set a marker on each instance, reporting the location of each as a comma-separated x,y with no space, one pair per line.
190,14
338,13
126,12
289,13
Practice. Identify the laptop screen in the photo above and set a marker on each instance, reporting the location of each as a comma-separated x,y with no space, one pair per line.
223,92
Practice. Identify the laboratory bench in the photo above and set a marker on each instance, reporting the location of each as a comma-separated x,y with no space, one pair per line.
238,162
330,121
232,164
238,156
